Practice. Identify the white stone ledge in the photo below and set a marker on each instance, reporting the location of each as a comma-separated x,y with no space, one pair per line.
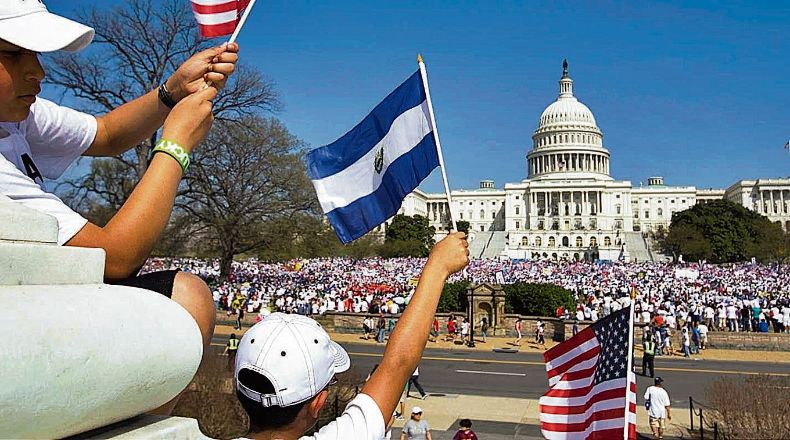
37,264
23,224
77,357
149,427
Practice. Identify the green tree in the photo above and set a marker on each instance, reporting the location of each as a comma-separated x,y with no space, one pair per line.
453,298
536,299
724,232
408,236
242,177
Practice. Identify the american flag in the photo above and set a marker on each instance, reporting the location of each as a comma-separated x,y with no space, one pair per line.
589,383
218,17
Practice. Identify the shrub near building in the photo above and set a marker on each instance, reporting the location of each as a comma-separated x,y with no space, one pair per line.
528,299
534,299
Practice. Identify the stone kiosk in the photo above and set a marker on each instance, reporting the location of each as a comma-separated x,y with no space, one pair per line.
487,300
77,354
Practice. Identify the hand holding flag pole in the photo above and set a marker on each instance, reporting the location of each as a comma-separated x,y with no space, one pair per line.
436,139
216,19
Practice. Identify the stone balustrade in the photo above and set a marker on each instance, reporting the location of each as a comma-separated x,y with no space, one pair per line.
77,354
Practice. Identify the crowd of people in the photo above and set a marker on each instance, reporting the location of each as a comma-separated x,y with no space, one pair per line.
740,297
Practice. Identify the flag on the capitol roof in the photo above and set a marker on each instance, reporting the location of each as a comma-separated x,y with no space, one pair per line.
218,17
589,383
362,178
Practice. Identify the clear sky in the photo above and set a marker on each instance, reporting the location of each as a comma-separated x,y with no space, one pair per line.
698,92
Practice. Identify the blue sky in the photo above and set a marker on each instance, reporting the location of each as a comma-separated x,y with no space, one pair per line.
698,92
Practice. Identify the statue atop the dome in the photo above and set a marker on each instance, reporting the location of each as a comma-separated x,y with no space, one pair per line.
565,68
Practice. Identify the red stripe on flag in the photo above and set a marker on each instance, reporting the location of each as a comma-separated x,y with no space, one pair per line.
583,356
215,9
606,434
572,343
217,30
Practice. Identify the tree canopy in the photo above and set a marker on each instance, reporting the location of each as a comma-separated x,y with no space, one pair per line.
724,232
408,236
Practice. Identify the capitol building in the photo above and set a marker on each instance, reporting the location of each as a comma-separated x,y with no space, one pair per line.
570,207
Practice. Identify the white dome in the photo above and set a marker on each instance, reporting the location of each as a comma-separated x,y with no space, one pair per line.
567,111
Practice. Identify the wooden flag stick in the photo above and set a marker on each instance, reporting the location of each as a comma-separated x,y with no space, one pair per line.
424,75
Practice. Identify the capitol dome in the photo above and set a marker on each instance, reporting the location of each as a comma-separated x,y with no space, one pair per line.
567,139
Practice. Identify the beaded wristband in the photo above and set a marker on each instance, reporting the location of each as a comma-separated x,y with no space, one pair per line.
174,150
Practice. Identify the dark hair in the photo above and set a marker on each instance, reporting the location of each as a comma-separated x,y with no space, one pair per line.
465,423
262,418
233,336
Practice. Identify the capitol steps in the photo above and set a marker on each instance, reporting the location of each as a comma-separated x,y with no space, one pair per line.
636,246
487,244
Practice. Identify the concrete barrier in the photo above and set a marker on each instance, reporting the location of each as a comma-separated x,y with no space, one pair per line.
77,354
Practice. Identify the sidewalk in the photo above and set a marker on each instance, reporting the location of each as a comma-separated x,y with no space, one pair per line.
530,347
520,415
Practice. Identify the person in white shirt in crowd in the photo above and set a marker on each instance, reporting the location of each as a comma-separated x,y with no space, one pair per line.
286,362
703,336
658,411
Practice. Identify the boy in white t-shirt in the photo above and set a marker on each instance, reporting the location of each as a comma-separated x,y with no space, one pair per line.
39,140
286,362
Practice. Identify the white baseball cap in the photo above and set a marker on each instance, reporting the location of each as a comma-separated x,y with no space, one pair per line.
294,353
416,410
28,24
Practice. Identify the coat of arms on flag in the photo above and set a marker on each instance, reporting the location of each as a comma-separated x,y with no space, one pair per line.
592,392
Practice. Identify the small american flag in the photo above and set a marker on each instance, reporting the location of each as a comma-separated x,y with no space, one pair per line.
589,383
218,17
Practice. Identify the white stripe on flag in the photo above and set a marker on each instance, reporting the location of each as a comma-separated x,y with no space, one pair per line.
589,363
565,357
359,179
581,400
573,384
596,426
616,403
219,18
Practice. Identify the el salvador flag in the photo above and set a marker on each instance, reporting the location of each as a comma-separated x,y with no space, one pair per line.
362,178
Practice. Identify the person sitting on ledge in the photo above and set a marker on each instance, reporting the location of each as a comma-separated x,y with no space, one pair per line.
40,139
285,364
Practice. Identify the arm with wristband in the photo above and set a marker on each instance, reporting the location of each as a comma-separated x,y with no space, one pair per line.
132,233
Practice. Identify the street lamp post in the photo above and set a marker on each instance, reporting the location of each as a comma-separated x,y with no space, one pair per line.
471,300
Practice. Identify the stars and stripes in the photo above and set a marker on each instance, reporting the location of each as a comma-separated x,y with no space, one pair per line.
218,17
589,383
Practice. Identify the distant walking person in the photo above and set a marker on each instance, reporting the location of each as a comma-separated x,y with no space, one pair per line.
416,428
465,431
657,401
518,332
381,329
231,349
415,380
648,355
484,328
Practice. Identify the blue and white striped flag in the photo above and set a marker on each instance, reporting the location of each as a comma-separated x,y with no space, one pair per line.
362,178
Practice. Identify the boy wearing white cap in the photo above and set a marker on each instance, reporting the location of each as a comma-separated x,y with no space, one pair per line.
286,362
39,140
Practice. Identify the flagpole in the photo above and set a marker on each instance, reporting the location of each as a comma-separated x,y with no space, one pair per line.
424,75
630,363
241,21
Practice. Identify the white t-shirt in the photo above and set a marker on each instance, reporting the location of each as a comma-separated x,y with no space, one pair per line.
42,147
361,420
659,400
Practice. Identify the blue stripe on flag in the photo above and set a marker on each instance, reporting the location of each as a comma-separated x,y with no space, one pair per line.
402,176
339,155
